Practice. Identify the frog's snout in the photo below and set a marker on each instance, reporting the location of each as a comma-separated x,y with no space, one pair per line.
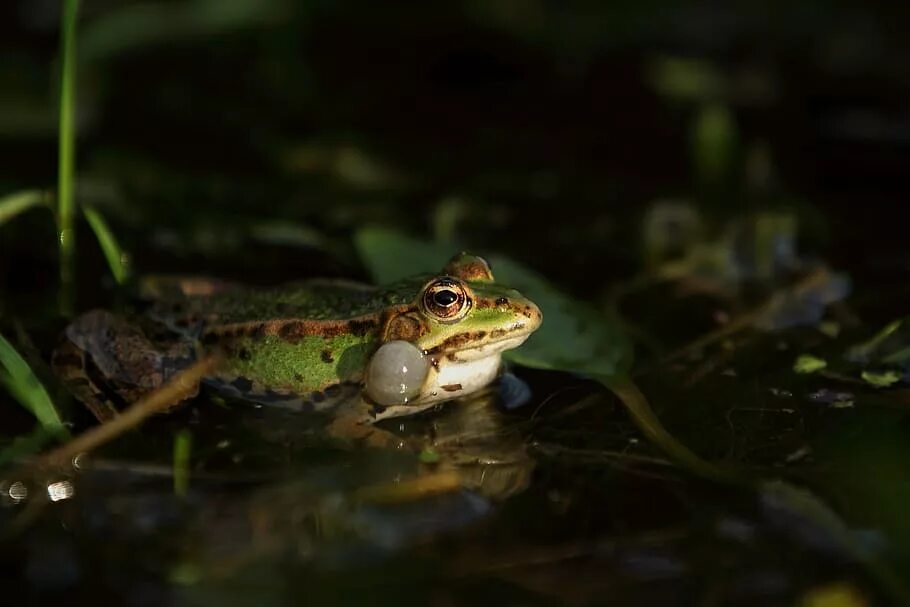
533,317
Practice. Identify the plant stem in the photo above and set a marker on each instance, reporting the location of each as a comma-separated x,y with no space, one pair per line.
67,156
644,417
183,444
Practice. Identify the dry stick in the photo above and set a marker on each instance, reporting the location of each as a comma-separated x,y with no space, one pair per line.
179,387
745,320
735,326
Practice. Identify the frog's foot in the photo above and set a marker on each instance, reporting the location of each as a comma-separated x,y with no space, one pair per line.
355,423
107,362
70,365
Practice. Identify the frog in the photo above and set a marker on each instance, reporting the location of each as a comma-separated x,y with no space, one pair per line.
360,353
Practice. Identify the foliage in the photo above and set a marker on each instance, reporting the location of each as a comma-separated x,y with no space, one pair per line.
25,387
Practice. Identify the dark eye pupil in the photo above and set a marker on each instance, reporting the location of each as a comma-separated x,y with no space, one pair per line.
445,298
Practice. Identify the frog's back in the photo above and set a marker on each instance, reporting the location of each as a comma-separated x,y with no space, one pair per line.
312,300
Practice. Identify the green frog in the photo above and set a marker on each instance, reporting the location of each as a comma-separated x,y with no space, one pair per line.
359,353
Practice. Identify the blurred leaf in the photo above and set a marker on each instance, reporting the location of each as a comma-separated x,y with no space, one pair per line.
447,216
882,344
429,456
829,328
574,336
293,234
805,302
24,386
135,25
116,257
685,79
391,255
838,594
714,139
19,202
806,363
881,379
801,512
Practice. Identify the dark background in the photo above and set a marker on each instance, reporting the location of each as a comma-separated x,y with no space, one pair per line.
544,115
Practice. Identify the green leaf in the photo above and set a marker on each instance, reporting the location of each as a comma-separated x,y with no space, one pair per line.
868,350
714,140
116,257
429,456
17,203
574,336
806,363
24,386
685,79
391,255
127,27
881,379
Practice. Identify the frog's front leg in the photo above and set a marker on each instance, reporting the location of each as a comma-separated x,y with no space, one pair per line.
355,421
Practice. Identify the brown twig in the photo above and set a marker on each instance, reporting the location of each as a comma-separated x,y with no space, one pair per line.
179,387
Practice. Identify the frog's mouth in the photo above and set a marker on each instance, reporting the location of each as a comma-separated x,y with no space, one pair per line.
485,350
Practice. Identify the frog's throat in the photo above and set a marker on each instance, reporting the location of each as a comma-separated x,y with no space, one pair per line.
462,372
453,379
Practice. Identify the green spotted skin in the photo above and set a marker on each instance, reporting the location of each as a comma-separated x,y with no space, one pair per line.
309,365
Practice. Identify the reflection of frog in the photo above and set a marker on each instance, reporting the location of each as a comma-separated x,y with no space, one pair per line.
311,346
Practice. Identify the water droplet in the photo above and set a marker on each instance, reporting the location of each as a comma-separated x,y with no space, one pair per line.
66,236
59,491
18,491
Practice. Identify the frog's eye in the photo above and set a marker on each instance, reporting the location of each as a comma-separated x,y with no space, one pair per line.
446,299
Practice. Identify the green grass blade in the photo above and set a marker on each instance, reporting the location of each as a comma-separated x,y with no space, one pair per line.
25,445
19,202
25,387
67,155
116,257
183,445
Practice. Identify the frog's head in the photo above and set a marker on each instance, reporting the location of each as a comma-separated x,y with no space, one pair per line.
461,322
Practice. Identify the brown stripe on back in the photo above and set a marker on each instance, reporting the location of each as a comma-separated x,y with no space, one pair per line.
295,329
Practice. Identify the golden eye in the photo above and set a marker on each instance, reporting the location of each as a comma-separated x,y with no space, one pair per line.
446,299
